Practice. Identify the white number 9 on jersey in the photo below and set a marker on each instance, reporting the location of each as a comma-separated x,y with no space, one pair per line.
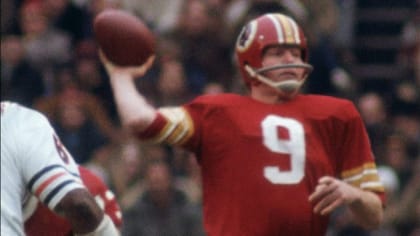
294,147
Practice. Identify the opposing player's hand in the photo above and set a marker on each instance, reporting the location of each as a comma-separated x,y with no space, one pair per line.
131,71
331,193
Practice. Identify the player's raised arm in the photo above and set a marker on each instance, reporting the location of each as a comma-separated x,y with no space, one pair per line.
126,41
135,112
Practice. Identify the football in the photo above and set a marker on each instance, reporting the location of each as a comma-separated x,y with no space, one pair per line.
124,38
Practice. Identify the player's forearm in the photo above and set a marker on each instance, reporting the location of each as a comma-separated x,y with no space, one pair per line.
135,113
367,210
81,210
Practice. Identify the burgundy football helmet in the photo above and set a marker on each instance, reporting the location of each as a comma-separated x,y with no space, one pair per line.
270,30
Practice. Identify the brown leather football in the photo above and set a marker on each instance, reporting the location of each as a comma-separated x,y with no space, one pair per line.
124,38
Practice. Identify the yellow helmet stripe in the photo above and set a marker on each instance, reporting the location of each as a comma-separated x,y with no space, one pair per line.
289,29
295,30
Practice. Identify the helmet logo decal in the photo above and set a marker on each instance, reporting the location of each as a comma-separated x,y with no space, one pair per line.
246,36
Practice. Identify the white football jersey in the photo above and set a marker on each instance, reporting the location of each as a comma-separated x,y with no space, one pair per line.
33,161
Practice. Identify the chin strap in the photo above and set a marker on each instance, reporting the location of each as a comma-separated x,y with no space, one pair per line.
288,87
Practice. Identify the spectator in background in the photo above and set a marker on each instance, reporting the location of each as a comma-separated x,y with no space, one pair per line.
128,174
9,10
205,51
190,181
91,77
66,16
375,116
409,57
94,7
20,81
161,15
162,209
406,116
402,215
396,156
39,35
67,91
172,84
126,170
79,133
240,11
320,24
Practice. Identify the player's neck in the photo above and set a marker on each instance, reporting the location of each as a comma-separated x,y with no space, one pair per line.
268,96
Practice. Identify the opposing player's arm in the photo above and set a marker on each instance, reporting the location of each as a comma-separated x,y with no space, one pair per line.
51,175
81,210
135,112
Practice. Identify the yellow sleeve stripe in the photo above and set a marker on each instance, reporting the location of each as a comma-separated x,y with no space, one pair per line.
181,125
365,177
366,172
163,134
358,170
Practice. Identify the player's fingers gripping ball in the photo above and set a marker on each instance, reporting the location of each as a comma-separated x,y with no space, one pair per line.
123,38
134,71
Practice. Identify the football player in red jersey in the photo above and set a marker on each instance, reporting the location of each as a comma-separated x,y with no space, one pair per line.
275,162
40,221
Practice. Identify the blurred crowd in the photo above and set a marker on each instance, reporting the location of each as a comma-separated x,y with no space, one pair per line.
49,61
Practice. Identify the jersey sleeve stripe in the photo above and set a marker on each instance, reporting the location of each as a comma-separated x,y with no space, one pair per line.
372,185
173,125
56,190
61,192
358,170
182,121
188,130
47,182
46,173
40,174
359,176
181,133
365,177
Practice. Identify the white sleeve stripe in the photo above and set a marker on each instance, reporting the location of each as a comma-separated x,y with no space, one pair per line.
167,133
181,134
376,184
55,196
49,185
361,175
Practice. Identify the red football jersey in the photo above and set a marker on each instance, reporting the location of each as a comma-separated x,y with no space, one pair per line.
44,222
260,162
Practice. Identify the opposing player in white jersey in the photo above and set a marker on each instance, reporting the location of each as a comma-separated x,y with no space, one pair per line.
33,161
